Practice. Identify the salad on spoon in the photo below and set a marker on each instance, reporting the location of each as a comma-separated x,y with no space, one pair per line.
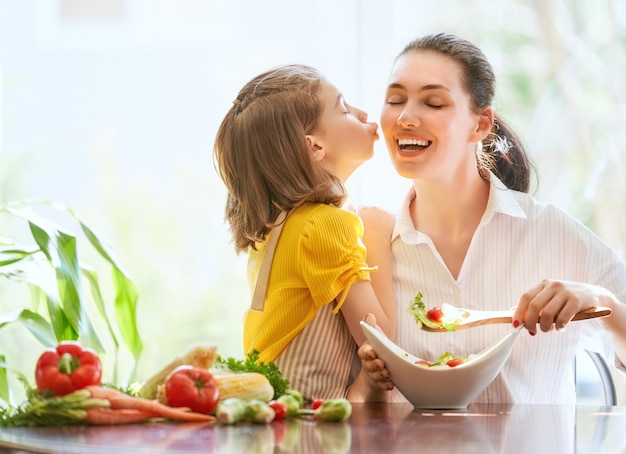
450,318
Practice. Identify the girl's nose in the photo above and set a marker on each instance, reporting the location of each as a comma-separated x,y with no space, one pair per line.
362,116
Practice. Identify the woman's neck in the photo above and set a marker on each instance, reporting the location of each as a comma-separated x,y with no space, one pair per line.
449,213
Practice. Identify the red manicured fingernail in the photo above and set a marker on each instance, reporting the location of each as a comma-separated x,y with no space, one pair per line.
516,323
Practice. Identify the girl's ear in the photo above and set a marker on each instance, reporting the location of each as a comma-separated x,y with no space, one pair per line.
317,150
485,123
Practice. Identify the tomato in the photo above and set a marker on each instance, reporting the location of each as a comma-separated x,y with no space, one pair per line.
422,362
280,409
192,387
454,362
435,314
280,431
317,403
66,368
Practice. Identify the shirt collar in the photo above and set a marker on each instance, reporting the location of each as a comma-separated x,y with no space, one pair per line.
501,200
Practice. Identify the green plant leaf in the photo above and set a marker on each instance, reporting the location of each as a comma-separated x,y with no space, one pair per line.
41,278
94,286
10,254
55,276
96,294
4,381
35,323
125,313
126,295
60,249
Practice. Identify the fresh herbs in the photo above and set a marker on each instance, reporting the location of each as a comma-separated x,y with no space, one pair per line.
40,409
253,364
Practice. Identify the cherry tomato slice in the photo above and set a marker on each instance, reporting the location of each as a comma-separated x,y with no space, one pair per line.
435,314
280,409
317,403
454,362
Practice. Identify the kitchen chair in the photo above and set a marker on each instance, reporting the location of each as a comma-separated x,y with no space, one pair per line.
606,379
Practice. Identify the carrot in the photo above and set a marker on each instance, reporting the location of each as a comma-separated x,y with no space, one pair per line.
113,416
120,400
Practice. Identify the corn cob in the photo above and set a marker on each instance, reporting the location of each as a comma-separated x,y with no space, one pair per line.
202,356
243,385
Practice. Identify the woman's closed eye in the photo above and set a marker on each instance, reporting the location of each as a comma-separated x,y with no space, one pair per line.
395,100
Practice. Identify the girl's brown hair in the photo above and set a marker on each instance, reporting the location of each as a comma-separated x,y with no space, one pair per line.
502,151
261,152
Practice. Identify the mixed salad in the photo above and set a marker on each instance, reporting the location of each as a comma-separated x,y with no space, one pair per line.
446,317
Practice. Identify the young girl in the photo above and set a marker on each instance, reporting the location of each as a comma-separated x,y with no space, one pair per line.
283,150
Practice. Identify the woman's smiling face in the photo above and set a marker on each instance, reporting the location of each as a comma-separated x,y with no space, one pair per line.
429,126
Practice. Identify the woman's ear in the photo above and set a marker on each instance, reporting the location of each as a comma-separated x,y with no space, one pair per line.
484,125
317,150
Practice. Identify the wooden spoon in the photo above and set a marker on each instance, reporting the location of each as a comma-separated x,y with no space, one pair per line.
477,317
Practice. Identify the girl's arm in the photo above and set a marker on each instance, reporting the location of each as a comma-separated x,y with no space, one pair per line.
378,228
376,297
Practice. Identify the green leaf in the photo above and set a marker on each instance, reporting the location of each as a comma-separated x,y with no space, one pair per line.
4,381
126,295
96,294
99,244
10,254
35,323
56,278
125,312
94,286
60,249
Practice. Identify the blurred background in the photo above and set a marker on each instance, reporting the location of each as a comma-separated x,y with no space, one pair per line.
111,107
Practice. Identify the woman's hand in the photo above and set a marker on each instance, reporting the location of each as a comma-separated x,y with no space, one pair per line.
553,303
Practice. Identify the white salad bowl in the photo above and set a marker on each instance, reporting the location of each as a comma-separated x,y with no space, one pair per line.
445,387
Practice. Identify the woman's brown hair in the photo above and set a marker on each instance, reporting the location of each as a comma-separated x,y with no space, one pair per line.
502,151
261,152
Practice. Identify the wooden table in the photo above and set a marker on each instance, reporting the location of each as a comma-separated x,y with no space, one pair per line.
373,428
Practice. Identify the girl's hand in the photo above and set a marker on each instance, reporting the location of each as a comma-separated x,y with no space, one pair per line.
372,366
553,303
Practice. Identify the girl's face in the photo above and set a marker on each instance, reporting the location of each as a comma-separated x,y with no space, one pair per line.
429,126
343,139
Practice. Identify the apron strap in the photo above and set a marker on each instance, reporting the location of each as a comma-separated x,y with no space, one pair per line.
260,289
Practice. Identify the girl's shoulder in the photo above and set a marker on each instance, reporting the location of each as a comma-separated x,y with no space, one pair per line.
323,213
315,219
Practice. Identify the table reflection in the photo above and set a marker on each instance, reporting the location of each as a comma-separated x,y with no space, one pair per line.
376,428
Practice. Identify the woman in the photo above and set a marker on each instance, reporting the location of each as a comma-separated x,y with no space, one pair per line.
283,150
470,235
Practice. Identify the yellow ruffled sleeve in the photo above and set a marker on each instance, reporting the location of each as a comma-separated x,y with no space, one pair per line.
331,254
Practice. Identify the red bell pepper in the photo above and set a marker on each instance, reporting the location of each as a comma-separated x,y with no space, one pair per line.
67,368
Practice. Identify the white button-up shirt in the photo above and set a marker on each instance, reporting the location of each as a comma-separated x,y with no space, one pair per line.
518,242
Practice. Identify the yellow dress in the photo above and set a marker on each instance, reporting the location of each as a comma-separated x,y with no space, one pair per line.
319,255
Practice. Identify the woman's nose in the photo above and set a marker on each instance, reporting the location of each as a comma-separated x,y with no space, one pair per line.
406,119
